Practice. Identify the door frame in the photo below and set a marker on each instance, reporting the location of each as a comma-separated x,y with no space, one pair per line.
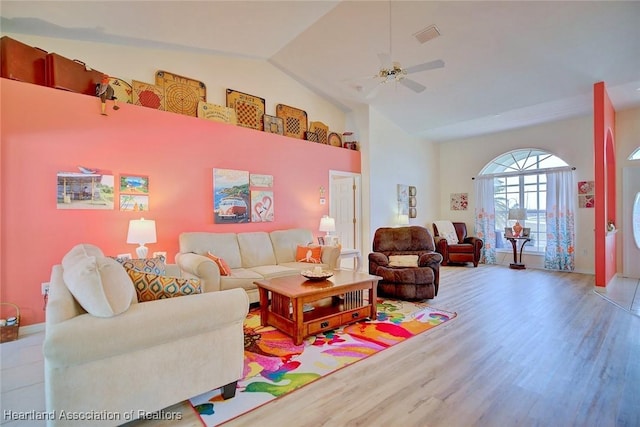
631,254
357,179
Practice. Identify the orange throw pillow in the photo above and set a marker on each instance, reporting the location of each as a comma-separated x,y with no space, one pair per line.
225,270
311,254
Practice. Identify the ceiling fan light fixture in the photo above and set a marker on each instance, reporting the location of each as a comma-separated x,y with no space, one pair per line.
429,33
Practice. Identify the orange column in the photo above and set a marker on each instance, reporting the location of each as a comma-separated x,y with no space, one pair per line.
605,182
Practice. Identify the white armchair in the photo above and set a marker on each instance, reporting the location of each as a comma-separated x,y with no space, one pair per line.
142,360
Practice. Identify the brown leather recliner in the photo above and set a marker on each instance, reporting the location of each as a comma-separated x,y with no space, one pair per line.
467,250
410,282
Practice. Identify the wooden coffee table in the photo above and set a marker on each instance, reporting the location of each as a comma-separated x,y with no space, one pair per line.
347,297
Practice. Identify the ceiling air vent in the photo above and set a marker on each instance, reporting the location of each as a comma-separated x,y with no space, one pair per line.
429,33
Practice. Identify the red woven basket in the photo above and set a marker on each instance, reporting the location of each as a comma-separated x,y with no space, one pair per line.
10,333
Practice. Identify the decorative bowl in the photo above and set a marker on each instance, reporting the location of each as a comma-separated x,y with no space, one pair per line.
312,275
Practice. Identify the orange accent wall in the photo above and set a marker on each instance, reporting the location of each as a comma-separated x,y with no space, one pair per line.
46,131
605,182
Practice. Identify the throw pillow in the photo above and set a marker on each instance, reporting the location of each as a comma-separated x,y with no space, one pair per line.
99,284
80,251
225,270
447,231
311,254
150,287
147,265
403,260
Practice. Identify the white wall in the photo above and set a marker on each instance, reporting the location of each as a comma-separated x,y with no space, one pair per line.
571,140
627,140
398,158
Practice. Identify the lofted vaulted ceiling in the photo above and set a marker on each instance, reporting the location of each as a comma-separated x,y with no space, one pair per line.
507,64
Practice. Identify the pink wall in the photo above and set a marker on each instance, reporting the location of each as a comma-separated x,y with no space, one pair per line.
45,131
605,181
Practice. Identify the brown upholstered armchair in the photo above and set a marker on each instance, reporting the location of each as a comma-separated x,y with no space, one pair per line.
467,250
406,260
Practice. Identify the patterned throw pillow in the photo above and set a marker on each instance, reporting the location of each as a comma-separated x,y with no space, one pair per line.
150,287
311,254
225,270
146,265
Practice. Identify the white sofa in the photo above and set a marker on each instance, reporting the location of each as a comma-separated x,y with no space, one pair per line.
251,256
137,362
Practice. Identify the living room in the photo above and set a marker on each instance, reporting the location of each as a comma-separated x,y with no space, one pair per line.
88,139
45,131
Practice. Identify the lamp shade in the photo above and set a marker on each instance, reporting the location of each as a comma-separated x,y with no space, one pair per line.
518,214
141,231
327,224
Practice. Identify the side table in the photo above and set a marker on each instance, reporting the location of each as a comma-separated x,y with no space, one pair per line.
517,265
351,253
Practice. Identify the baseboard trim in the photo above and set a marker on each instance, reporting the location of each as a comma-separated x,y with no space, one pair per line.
31,329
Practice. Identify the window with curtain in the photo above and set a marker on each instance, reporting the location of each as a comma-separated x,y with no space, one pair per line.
520,180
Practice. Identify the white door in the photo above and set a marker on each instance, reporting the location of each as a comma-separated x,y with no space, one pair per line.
345,208
630,189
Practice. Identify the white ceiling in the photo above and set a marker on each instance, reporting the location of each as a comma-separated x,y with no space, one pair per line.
507,64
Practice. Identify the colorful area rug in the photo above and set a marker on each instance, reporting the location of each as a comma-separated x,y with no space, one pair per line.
275,366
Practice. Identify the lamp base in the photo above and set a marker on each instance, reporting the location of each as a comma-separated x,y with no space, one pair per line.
142,251
517,229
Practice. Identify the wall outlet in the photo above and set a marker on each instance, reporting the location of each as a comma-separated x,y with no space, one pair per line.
45,288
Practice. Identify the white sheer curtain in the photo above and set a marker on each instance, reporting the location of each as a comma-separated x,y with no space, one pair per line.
561,209
485,213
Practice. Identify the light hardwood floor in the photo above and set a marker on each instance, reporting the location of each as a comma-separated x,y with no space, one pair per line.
528,348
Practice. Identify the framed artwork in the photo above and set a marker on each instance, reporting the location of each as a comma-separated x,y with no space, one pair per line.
412,191
526,232
134,202
321,240
132,184
413,213
403,193
80,190
230,196
261,206
508,232
586,194
412,201
256,180
459,201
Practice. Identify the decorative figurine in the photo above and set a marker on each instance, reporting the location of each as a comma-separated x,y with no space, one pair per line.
104,91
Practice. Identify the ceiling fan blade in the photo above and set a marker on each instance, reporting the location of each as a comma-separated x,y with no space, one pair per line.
438,63
413,85
385,60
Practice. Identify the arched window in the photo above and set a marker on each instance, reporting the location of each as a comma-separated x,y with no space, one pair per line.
520,181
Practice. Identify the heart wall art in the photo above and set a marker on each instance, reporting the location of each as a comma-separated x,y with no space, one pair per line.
261,206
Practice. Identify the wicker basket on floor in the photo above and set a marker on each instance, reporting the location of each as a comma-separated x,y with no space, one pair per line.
10,333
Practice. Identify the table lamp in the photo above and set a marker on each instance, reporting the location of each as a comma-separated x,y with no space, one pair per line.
518,214
327,224
142,231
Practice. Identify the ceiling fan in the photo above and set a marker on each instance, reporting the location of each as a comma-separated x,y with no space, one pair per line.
394,72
